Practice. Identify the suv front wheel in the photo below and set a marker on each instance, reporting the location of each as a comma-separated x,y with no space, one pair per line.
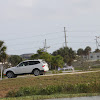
36,72
10,75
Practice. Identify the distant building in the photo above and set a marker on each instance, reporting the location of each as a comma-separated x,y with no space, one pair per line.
92,56
26,56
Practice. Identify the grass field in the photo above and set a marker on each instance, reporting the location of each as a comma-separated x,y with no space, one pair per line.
42,97
43,81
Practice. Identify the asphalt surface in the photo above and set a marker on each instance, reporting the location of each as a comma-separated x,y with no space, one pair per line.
50,74
64,73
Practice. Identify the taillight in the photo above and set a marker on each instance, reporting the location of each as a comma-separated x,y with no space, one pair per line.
43,65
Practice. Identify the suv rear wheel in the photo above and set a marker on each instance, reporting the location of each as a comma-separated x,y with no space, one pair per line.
10,75
36,72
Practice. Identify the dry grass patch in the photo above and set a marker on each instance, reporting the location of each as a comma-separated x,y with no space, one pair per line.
43,81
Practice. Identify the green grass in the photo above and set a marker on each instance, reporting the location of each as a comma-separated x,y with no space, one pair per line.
93,68
53,89
41,97
43,81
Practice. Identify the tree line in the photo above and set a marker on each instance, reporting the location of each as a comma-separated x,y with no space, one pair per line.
58,58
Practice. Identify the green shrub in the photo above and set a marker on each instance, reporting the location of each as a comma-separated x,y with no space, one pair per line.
51,89
95,87
69,88
96,66
24,91
60,71
54,72
82,88
11,94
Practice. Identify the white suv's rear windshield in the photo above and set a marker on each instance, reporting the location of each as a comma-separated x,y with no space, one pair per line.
43,62
33,62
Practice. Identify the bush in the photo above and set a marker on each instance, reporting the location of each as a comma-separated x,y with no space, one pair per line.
60,71
24,91
56,72
96,66
11,94
51,89
69,88
82,88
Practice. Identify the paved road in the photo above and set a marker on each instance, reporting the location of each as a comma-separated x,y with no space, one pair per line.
60,74
65,72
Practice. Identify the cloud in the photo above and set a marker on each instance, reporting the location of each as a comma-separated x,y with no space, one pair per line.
19,9
24,3
16,9
48,9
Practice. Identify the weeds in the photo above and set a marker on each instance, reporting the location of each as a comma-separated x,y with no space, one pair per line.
52,89
76,83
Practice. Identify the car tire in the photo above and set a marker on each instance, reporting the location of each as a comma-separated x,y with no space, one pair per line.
36,72
10,75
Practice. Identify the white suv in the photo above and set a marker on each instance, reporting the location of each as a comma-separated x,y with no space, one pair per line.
36,67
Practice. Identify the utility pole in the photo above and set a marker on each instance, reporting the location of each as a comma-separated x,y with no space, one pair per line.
97,44
65,37
45,46
1,71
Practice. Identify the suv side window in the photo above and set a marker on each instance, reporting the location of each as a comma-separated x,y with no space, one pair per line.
23,64
33,62
36,62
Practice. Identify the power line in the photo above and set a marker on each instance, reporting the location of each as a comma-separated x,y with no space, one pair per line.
81,42
51,39
49,34
32,36
88,31
51,46
76,36
34,41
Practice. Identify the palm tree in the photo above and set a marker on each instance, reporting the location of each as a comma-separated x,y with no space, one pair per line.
3,55
80,52
87,51
97,51
67,53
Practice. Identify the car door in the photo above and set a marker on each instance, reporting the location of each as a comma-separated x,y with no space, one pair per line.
22,68
32,65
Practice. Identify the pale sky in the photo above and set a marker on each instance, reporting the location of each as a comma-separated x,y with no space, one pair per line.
25,24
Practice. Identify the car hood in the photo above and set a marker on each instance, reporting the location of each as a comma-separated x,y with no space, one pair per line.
10,68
